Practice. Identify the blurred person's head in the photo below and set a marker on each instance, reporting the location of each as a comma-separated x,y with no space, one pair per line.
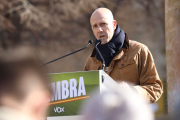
116,105
103,24
23,84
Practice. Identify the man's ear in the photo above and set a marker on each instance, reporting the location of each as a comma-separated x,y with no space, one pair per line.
114,24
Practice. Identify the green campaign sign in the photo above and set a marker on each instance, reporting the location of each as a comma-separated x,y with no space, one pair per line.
69,90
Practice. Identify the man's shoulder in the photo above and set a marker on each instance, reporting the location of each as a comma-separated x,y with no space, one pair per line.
137,45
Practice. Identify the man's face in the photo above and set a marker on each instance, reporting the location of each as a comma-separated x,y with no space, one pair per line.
103,27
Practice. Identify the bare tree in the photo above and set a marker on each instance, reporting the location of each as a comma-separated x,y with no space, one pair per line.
22,15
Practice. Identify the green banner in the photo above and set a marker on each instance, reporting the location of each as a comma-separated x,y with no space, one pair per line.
69,90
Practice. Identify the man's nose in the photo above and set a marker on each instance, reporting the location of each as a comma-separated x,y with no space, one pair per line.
100,29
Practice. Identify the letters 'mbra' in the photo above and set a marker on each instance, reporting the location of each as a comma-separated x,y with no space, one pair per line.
67,89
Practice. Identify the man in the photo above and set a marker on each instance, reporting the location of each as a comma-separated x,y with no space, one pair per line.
127,60
24,89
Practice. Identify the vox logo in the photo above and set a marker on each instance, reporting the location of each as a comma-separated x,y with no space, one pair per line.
59,109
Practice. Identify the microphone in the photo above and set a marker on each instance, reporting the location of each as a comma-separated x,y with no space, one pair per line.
89,43
99,41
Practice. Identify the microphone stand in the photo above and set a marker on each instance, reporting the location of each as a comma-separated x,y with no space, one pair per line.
103,65
90,42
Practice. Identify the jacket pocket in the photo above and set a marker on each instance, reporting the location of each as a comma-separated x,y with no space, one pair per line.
123,64
129,70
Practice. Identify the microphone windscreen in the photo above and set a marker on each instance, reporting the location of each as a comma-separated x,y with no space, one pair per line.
100,40
90,41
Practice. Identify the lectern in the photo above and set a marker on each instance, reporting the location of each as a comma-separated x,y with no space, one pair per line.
70,89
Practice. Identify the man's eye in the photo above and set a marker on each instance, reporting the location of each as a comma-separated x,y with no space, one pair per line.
94,26
103,24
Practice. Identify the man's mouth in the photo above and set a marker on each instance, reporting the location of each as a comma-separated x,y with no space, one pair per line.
102,36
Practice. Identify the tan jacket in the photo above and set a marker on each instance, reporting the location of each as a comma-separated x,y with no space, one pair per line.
133,64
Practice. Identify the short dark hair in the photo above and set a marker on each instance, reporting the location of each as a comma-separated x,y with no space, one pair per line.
14,63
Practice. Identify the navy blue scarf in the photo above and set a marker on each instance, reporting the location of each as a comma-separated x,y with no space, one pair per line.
110,49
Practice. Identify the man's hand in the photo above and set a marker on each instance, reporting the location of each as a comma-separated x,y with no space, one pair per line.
125,86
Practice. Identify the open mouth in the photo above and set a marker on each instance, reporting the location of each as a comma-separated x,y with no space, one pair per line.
102,36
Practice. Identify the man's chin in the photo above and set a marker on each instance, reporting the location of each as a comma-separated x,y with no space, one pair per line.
104,41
